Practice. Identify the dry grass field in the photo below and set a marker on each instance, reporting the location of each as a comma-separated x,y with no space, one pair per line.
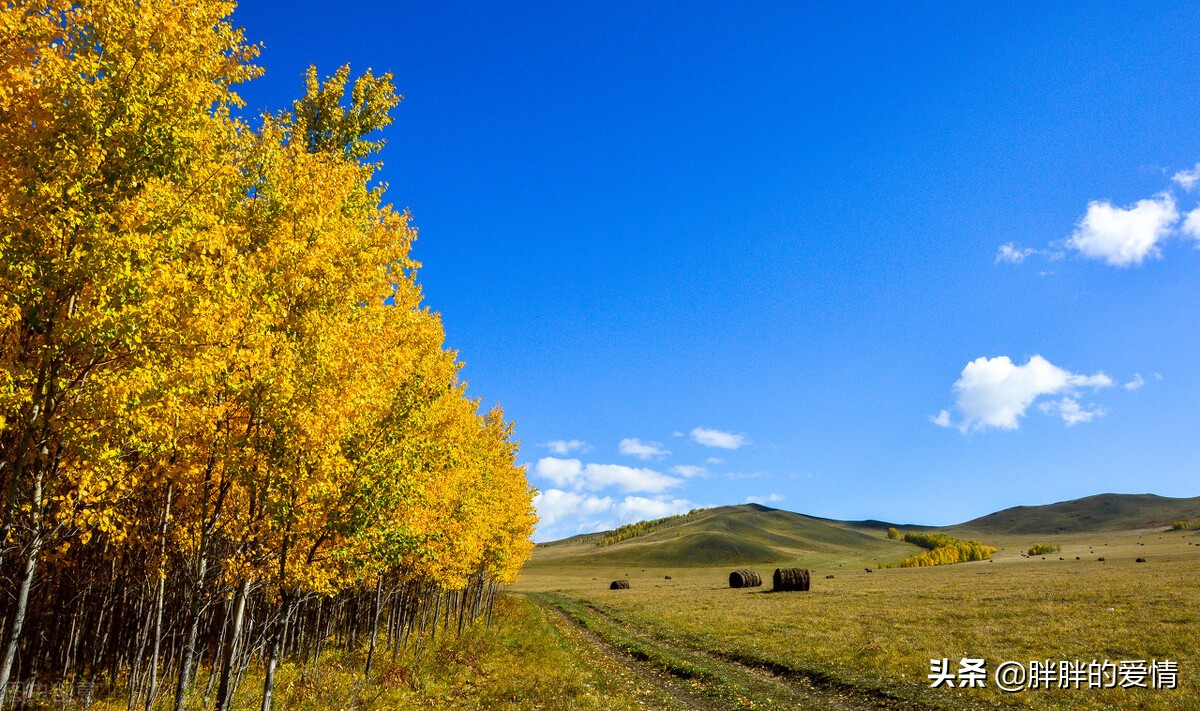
680,638
865,639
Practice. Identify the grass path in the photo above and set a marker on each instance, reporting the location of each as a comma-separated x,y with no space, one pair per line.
709,679
602,654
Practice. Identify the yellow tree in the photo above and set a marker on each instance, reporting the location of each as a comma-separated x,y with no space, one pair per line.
215,362
332,258
101,106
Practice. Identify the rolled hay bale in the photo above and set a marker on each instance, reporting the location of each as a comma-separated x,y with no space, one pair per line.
1140,560
744,578
619,585
791,579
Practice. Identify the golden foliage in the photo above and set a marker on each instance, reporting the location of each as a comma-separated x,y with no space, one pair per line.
228,312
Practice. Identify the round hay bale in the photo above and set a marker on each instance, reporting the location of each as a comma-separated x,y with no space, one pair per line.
791,579
619,585
1140,560
744,578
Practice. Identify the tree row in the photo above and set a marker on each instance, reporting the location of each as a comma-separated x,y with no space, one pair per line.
229,429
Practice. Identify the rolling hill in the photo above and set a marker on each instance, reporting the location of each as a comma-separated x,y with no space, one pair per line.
1103,512
752,533
749,533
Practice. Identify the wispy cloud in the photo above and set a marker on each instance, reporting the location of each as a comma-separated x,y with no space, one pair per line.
745,475
566,446
1138,381
768,499
995,393
1188,178
642,450
1071,412
718,438
688,471
1012,254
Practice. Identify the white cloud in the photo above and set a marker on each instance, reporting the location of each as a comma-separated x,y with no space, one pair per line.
1188,178
642,450
640,508
566,513
688,470
573,474
1123,237
1137,382
1009,253
1071,411
554,505
1191,225
566,446
717,438
714,460
993,392
769,498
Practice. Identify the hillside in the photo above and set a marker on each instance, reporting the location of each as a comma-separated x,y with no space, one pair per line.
752,533
749,533
1103,512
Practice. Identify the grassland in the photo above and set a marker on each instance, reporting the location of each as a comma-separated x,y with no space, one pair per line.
865,639
562,640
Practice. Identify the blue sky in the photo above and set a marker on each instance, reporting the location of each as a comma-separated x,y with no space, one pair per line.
916,262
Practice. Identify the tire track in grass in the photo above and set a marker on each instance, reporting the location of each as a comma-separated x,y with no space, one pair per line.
580,635
715,681
816,686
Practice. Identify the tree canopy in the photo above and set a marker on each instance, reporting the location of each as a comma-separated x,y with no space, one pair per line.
216,368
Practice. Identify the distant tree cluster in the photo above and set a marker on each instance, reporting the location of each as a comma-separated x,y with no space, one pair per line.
930,540
229,429
632,530
943,549
1044,548
893,533
1185,525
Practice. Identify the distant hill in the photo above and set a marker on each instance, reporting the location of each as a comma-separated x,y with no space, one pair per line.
752,533
1103,512
749,533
